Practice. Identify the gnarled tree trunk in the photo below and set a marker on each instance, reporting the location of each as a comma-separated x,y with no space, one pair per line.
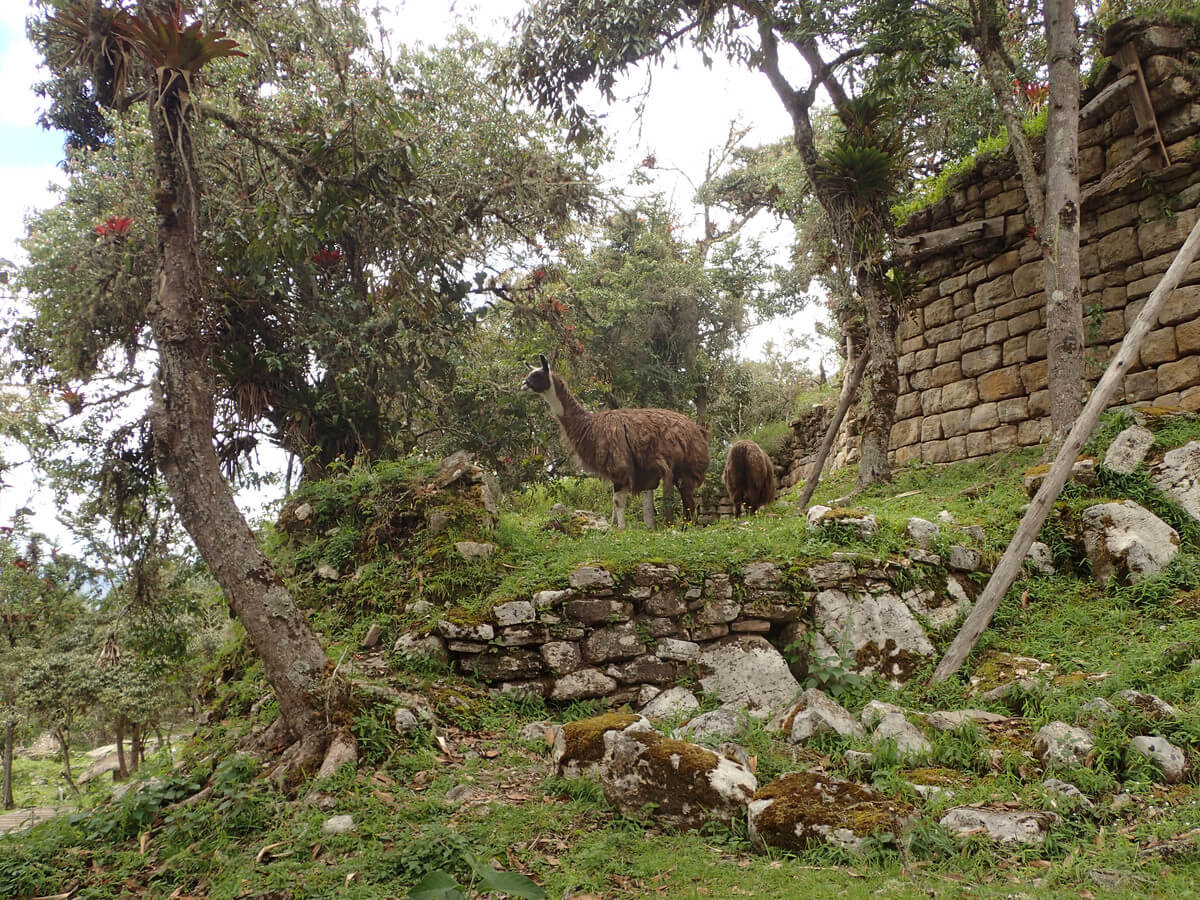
181,418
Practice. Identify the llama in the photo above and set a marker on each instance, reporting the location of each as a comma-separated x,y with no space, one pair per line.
635,449
749,477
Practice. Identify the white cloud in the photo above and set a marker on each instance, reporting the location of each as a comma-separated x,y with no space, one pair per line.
19,69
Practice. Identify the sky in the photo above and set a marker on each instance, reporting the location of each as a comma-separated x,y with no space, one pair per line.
687,113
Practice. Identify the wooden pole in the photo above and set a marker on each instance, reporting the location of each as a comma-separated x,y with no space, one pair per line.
1014,557
848,392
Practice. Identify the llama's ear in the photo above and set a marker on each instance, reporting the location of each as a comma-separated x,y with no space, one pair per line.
545,365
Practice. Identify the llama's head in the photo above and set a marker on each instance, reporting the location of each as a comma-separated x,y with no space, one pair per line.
538,380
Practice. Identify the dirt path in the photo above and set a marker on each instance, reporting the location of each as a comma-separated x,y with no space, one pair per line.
25,817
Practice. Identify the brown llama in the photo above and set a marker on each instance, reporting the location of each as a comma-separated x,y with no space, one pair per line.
749,477
635,449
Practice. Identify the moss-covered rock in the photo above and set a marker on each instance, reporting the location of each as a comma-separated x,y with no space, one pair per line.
806,808
676,783
579,746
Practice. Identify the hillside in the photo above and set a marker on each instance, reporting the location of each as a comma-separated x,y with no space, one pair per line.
456,773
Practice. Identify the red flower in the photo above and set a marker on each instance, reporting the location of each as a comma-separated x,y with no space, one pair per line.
117,226
327,259
539,274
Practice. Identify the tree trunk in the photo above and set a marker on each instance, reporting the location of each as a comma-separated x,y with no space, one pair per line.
1060,231
181,417
122,768
135,747
883,372
10,741
63,736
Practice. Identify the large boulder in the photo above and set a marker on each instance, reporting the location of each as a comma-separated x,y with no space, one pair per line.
679,784
1126,540
1060,744
802,809
748,672
1178,476
878,632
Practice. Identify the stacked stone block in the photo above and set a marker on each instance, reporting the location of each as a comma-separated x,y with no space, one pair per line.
973,348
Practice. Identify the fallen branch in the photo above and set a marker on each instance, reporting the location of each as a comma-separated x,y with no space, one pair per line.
1014,557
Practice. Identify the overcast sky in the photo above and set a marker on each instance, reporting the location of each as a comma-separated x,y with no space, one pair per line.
687,113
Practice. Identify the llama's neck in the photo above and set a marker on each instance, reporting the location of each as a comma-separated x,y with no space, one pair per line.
564,406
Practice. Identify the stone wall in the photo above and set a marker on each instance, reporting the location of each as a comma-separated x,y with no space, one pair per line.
624,638
973,348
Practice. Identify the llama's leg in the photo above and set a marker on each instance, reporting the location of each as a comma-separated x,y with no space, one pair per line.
687,494
668,482
620,498
648,508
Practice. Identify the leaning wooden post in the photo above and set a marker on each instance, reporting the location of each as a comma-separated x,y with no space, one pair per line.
1014,557
848,392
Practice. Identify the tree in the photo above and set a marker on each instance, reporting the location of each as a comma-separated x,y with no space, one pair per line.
314,215
852,53
1055,208
40,597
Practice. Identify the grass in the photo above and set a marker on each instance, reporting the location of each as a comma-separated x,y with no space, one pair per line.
493,796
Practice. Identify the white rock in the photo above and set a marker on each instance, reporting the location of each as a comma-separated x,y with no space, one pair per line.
1040,559
909,740
723,722
582,684
328,572
516,612
1124,538
880,629
948,720
338,825
747,671
671,703
964,559
429,645
922,532
677,650
815,713
342,751
1178,476
1169,758
814,515
1002,825
875,710
590,578
1067,794
1063,744
474,550
1128,449
1148,704
303,512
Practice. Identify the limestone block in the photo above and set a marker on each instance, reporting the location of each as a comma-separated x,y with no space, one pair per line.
939,312
973,339
1141,385
931,428
1158,347
955,422
1061,744
805,809
1004,263
1178,476
1187,337
1003,826
984,416
997,332
1120,247
1014,409
1033,376
1029,279
931,401
1182,306
979,443
1175,376
951,331
1014,350
935,452
1020,305
945,374
1169,758
1025,322
1128,449
1039,403
1004,437
977,362
993,293
590,578
514,613
614,642
1032,431
561,657
597,611
1000,384
1166,234
948,351
748,671
906,432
